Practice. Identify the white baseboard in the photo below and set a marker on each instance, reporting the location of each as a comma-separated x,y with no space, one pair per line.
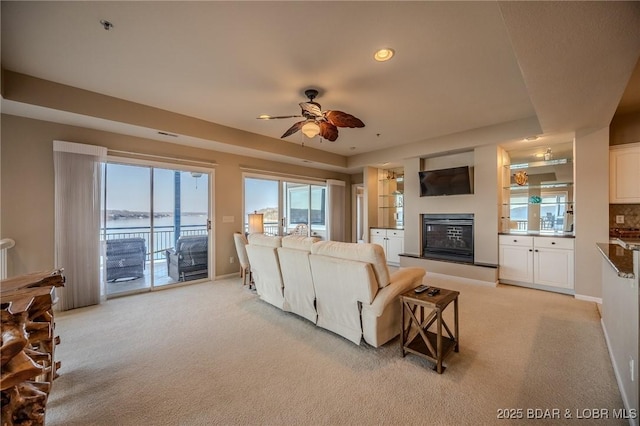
616,372
597,300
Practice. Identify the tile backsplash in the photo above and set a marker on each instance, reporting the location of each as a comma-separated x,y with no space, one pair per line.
631,213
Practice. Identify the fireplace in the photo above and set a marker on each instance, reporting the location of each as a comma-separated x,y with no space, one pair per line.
448,237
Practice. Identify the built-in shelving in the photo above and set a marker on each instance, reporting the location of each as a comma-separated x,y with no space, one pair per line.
391,198
538,196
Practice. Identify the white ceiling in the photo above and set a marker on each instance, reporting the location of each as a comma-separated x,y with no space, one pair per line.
458,65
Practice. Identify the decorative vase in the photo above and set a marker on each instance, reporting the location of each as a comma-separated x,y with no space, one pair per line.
521,177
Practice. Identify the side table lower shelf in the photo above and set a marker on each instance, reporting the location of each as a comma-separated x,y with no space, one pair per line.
419,347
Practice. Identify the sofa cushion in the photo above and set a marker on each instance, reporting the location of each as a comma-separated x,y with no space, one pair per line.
265,240
299,242
369,253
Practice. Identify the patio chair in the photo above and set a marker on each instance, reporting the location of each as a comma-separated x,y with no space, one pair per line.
125,258
301,229
189,260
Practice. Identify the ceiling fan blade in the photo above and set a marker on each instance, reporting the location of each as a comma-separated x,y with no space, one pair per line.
269,117
342,119
328,131
297,126
312,108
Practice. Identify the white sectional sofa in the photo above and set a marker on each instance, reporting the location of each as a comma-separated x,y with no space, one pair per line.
299,292
265,268
343,287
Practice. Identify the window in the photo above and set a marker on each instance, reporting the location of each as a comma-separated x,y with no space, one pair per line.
286,204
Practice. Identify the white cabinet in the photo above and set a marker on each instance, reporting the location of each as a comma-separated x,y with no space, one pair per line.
624,169
546,262
516,258
391,240
553,262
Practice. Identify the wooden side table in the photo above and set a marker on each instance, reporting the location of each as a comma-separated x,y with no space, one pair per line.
421,311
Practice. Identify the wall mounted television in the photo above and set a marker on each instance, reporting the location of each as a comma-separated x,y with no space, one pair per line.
453,181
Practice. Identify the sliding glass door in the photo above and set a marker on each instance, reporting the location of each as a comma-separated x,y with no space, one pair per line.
155,227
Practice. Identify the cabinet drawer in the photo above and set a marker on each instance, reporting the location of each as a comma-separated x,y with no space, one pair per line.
395,233
551,242
379,232
516,240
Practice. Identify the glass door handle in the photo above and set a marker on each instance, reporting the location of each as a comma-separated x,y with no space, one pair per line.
208,224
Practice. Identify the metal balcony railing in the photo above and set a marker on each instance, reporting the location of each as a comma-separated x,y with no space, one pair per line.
163,236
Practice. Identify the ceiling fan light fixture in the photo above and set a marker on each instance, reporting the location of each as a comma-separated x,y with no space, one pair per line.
383,55
310,129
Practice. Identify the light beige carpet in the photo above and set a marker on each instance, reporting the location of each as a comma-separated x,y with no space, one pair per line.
214,354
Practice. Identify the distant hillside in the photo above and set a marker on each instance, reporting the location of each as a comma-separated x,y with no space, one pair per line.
128,214
270,214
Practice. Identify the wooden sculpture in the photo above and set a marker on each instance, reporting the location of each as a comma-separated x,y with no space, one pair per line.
27,347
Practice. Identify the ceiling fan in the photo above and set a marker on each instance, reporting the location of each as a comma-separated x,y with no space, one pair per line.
318,122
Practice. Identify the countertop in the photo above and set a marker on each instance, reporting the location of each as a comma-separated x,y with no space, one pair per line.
620,259
629,244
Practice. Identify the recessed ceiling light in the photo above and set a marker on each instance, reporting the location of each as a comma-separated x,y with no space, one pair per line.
531,138
383,55
264,117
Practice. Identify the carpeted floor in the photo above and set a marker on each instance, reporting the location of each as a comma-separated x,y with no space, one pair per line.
214,354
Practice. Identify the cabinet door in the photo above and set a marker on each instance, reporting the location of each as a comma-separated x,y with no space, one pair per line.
395,246
379,239
624,167
516,263
553,267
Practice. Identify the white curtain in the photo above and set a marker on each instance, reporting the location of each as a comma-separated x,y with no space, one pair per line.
77,169
335,209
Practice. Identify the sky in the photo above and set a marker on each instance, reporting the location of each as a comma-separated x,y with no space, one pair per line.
128,188
259,194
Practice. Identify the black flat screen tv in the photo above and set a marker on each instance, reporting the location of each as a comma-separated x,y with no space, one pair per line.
452,181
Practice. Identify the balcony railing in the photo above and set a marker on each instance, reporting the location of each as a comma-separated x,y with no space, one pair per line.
163,236
272,228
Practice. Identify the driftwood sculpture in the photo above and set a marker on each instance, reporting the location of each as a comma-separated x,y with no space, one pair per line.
27,346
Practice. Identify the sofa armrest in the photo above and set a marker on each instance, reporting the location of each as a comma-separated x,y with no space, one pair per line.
402,280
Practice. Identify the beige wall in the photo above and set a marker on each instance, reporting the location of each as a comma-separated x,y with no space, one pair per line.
26,187
591,195
483,203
